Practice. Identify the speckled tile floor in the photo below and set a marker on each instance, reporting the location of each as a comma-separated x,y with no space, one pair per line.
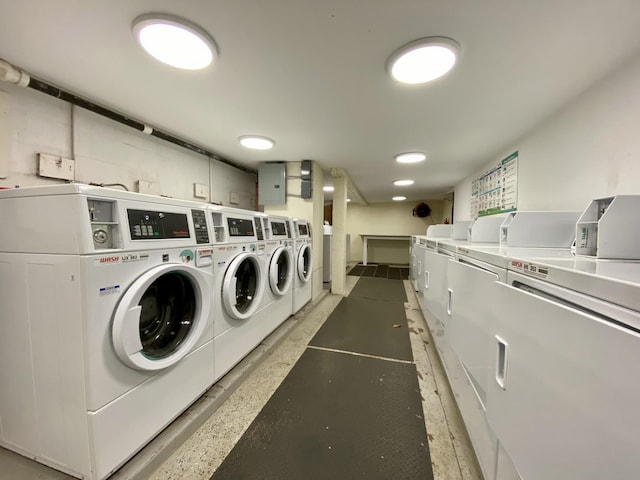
241,396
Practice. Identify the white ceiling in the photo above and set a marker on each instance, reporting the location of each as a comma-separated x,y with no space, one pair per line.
311,75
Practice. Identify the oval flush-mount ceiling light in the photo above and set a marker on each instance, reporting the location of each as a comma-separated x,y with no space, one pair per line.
410,157
399,198
423,60
256,142
403,183
174,41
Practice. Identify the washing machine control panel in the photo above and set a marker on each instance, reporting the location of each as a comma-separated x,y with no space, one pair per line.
152,225
200,226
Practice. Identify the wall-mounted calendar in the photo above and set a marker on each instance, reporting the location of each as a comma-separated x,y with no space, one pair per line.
496,191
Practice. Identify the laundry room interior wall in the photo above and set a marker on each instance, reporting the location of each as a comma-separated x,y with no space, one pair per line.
107,152
387,219
589,149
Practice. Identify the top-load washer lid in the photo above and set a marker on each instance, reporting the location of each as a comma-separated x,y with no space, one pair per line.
304,263
161,316
243,286
280,271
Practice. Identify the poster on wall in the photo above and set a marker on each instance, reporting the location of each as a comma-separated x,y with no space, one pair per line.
496,191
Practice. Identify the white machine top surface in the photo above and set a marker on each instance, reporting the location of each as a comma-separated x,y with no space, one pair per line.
499,255
94,191
610,280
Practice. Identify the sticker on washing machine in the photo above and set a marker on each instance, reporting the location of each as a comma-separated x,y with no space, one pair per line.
134,257
530,269
186,256
109,290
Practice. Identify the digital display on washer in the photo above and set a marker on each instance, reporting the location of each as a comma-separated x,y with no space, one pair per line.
279,228
149,225
240,227
302,229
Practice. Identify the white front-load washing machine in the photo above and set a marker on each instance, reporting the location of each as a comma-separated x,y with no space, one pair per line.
279,268
239,284
302,257
106,333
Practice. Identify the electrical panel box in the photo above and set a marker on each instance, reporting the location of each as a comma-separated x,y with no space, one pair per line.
272,184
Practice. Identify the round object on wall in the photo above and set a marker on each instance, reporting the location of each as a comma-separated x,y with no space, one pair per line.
422,210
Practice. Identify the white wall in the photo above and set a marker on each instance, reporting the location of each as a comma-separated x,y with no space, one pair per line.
589,149
387,219
107,152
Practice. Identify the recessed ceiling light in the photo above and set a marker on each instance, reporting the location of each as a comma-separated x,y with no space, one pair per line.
399,198
174,41
327,188
410,157
423,60
348,200
403,183
256,142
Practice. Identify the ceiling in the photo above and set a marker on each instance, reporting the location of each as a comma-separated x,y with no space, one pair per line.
311,75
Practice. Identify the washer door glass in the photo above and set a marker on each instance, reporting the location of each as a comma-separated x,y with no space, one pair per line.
304,263
161,316
280,268
242,288
167,316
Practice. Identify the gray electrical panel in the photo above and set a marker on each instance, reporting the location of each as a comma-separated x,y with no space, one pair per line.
272,184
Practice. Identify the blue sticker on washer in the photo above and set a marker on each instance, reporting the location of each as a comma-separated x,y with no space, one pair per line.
186,256
109,290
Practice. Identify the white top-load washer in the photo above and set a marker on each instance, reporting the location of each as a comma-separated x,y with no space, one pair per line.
463,305
106,333
302,257
279,268
563,392
240,282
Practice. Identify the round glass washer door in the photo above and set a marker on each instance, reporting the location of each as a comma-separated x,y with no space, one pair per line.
242,286
161,317
280,271
304,263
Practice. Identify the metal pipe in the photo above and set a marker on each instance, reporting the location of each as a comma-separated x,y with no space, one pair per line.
16,76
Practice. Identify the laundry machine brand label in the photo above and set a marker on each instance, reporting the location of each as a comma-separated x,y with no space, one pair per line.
109,290
463,251
530,269
134,257
110,259
126,258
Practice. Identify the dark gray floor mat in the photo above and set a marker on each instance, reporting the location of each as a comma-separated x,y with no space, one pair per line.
379,289
380,271
365,326
336,416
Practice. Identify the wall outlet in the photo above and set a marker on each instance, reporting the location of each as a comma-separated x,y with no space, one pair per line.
51,166
199,190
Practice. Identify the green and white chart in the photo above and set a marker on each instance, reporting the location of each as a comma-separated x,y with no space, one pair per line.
496,191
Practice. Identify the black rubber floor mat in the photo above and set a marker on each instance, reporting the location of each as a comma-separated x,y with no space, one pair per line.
382,271
379,289
357,270
336,416
365,326
369,271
